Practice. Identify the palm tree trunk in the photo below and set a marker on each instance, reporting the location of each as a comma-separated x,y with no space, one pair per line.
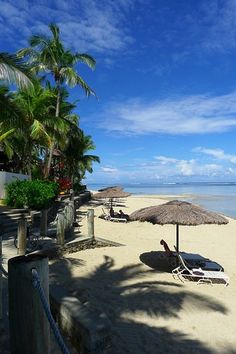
47,170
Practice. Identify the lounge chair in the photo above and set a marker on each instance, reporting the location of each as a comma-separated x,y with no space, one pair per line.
182,272
106,216
192,260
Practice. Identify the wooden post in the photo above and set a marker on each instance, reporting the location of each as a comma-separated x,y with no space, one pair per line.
31,214
90,218
21,236
44,223
29,327
72,194
77,204
60,229
1,279
70,214
177,237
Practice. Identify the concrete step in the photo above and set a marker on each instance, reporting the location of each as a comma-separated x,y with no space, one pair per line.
13,210
13,216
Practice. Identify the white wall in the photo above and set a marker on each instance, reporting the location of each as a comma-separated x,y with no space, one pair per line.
7,177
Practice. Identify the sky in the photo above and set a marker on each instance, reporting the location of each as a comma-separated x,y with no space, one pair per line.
165,79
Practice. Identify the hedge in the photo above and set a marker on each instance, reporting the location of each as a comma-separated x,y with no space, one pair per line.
36,194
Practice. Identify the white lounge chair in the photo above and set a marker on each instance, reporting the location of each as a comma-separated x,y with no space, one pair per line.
108,217
182,272
192,260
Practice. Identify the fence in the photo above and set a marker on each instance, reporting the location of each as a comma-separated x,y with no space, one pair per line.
29,310
65,221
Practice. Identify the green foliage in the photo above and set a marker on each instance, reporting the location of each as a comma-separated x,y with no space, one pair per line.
39,118
35,194
14,70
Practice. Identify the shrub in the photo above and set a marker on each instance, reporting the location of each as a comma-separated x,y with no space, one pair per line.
34,194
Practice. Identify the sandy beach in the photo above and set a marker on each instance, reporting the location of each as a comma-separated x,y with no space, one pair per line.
149,311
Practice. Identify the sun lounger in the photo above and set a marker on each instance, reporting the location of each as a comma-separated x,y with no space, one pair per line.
115,219
183,272
118,219
193,260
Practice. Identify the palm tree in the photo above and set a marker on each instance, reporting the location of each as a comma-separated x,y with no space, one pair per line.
39,127
14,71
78,162
47,54
10,119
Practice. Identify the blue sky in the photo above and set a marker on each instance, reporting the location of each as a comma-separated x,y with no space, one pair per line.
165,78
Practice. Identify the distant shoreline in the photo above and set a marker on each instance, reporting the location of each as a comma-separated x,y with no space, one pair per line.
223,204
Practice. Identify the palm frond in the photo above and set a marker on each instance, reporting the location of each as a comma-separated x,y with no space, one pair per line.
38,131
39,41
3,136
86,59
55,31
88,91
14,71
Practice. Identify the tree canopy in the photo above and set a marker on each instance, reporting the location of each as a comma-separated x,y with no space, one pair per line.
39,129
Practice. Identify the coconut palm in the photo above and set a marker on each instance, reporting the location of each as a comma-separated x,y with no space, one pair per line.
10,119
4,136
48,55
4,142
14,71
77,161
9,112
39,127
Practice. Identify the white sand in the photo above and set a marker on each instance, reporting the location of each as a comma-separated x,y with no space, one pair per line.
149,310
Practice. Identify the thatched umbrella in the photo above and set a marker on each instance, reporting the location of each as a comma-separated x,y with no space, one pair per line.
112,193
178,213
111,187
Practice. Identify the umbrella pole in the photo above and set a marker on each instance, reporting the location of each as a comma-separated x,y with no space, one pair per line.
177,237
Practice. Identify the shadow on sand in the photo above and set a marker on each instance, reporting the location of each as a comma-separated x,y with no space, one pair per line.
159,261
124,296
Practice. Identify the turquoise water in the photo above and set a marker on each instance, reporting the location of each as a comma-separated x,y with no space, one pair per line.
220,197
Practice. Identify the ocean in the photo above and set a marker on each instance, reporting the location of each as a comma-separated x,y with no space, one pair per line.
219,197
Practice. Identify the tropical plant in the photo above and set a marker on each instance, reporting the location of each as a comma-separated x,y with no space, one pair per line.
31,194
9,120
40,127
6,134
77,161
48,55
32,133
14,71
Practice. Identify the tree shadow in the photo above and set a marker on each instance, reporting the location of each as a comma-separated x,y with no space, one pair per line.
123,293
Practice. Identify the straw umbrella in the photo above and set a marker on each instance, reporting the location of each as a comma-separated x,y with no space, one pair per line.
111,193
111,187
178,213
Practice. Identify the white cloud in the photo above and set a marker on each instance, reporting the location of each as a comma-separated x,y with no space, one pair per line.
219,17
218,154
190,167
87,25
165,160
164,169
109,170
200,114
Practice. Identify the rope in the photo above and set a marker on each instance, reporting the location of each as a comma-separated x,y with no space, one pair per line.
54,222
43,299
3,271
